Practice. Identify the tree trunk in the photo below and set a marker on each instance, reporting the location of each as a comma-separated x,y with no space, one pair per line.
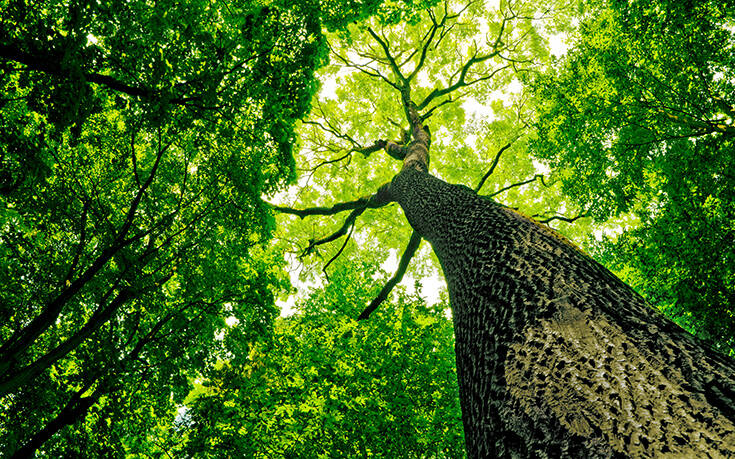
556,357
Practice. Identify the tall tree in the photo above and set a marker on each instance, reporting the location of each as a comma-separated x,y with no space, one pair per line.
555,355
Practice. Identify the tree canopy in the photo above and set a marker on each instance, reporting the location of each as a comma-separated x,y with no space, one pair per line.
137,141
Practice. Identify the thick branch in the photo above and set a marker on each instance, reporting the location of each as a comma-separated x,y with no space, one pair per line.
73,411
393,65
461,81
348,223
411,248
492,167
366,202
101,316
395,150
381,198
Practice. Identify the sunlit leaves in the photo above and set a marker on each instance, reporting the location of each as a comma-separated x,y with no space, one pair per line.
463,62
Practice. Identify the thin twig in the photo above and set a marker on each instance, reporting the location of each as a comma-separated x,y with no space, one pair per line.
514,185
561,217
339,252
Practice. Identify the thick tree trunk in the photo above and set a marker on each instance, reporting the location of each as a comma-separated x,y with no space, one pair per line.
556,357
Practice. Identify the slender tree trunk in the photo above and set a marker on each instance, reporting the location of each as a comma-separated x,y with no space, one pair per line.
556,357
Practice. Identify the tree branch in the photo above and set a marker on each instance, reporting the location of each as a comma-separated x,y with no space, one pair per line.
381,198
514,185
408,253
371,202
446,101
492,167
461,82
339,252
24,337
429,37
349,222
383,44
561,218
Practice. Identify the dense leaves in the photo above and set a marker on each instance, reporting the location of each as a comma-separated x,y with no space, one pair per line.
327,386
639,117
138,139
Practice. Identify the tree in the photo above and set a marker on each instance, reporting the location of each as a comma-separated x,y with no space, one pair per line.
555,355
639,116
137,140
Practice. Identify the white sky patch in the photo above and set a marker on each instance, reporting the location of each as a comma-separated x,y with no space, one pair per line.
329,87
514,87
431,286
541,168
474,109
558,45
471,141
612,232
91,39
288,306
390,264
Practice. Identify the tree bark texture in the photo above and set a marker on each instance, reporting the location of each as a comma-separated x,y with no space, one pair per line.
556,357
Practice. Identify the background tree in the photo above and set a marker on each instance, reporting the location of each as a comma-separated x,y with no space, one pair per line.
137,140
639,118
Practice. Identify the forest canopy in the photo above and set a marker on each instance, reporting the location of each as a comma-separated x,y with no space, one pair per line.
169,172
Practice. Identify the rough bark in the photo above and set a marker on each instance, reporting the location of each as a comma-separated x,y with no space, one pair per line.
556,357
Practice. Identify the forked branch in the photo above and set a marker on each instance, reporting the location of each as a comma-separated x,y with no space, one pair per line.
380,199
347,225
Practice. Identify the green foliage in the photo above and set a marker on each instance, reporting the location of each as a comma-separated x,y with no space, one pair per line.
639,118
327,386
137,140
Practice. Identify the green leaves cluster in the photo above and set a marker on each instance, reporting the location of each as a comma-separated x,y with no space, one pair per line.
327,386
